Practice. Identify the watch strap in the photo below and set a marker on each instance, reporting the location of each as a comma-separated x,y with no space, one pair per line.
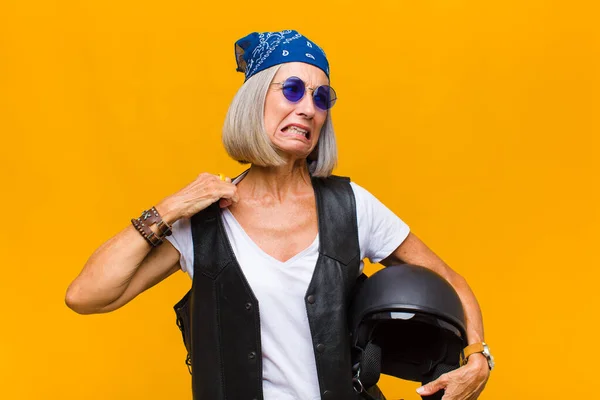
482,348
469,350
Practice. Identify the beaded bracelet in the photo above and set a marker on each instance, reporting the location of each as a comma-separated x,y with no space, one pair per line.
146,220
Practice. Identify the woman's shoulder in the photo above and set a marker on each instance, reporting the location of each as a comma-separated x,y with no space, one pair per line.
361,194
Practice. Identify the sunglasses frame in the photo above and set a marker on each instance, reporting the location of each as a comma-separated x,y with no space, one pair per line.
313,90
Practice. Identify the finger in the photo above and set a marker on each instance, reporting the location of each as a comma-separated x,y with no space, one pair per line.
235,196
225,203
230,193
432,387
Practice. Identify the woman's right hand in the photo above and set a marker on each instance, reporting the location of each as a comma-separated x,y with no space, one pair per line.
198,195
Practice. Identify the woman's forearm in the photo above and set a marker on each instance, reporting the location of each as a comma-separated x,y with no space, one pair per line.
109,270
473,317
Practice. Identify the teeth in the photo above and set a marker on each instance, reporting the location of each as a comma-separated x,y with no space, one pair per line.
298,130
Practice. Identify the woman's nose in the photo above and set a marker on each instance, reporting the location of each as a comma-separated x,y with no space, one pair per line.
306,106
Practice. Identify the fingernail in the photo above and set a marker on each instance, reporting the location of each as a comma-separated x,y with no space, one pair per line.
420,390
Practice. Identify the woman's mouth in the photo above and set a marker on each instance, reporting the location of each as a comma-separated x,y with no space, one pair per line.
295,130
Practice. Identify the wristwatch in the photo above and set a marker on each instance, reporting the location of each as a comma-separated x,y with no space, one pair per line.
478,348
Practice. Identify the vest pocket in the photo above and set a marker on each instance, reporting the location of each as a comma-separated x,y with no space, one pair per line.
183,323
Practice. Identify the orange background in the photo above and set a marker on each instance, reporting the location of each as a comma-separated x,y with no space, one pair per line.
476,122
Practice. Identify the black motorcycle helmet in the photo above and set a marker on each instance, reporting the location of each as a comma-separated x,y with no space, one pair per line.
406,321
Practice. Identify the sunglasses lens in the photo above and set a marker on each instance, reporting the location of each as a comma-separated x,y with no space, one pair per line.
293,89
324,97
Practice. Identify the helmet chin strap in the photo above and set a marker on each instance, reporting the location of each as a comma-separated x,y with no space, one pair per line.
365,395
368,369
360,388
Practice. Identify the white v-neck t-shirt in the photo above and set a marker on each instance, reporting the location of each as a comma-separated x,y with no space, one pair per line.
289,369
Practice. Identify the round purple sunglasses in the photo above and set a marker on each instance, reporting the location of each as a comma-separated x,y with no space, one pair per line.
294,88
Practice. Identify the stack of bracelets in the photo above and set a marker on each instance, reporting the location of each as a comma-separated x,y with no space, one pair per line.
146,220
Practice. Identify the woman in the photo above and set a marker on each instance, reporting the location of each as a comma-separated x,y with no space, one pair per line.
270,223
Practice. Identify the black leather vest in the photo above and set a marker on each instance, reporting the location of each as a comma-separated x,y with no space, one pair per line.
219,316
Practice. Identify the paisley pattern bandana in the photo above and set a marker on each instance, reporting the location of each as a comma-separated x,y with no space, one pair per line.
259,51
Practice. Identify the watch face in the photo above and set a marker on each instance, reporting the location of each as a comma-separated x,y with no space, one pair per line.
488,355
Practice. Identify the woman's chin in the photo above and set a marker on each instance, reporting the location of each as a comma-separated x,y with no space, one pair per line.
293,154
294,149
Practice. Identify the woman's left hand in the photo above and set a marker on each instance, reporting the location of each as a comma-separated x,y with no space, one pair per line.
464,383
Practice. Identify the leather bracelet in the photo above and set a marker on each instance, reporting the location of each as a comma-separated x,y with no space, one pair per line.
145,221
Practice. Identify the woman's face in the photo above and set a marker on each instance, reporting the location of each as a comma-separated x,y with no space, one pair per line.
294,128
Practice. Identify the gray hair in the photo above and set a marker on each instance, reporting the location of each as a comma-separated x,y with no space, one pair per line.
245,137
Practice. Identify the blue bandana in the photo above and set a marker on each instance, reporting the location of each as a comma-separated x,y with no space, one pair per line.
259,51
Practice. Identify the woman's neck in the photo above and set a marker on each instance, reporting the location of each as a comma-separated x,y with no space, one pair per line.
277,182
